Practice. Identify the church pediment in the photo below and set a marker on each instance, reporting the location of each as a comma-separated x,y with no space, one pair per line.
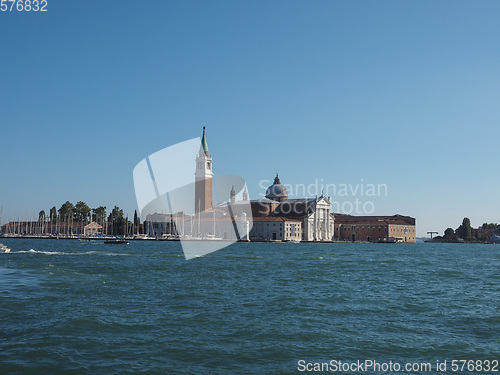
323,201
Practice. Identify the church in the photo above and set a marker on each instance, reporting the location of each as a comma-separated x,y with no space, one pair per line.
273,218
311,216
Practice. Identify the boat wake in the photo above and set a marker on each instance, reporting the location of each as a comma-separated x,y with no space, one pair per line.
33,251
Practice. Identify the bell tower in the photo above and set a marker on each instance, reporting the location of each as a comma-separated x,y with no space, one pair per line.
203,178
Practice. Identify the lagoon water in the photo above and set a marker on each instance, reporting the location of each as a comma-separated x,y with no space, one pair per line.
252,308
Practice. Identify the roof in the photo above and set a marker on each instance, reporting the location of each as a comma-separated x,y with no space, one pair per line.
300,200
276,190
93,225
275,218
394,219
264,201
296,207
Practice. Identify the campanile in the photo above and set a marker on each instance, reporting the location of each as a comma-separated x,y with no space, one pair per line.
203,177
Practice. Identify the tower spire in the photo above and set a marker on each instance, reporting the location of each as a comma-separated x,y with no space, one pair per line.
203,177
233,195
204,143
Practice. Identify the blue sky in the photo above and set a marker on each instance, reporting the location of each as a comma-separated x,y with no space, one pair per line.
386,92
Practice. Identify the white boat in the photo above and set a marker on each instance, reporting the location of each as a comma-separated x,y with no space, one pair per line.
4,249
494,239
208,237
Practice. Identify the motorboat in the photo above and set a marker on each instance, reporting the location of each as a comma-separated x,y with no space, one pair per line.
494,239
4,249
116,241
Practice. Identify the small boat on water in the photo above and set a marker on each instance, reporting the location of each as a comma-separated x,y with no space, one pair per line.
116,241
4,249
494,239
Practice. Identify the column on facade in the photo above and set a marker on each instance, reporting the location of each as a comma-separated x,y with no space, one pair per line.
315,224
324,225
318,224
328,234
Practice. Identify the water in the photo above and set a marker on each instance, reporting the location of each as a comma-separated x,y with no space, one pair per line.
86,307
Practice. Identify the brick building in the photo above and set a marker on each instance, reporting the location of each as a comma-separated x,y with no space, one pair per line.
396,228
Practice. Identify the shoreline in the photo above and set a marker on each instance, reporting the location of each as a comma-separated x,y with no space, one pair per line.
104,238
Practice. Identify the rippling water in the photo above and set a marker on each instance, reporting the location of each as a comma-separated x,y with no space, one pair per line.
86,307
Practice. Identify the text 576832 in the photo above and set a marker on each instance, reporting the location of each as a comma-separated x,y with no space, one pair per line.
23,5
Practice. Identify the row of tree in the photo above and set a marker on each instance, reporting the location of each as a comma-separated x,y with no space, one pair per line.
81,212
489,226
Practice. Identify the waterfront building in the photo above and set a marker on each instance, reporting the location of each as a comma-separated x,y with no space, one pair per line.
92,229
313,214
484,233
395,228
276,229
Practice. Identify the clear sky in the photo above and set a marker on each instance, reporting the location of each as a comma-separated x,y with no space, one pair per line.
401,93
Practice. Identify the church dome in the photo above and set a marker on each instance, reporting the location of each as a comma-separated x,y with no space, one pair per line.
277,191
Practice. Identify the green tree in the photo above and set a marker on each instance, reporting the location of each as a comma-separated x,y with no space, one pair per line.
490,226
449,232
53,214
117,221
82,211
66,211
465,230
137,222
41,216
100,214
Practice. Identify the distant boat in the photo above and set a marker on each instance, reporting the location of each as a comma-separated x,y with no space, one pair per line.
4,249
494,239
208,237
211,237
116,241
